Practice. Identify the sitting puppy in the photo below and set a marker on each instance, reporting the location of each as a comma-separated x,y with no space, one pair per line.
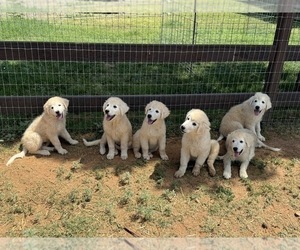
46,128
197,144
246,115
240,145
117,129
152,135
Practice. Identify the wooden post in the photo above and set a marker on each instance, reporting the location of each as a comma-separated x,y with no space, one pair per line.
277,58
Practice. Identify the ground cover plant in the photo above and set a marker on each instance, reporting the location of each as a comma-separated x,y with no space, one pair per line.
82,194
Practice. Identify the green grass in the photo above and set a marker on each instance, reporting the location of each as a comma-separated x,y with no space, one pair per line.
91,78
175,28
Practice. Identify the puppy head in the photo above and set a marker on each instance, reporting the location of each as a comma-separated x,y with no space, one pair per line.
57,107
156,110
195,121
114,107
236,144
260,103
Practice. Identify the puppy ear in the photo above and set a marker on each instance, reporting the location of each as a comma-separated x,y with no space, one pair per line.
146,108
46,106
165,112
268,101
104,106
202,126
124,108
65,102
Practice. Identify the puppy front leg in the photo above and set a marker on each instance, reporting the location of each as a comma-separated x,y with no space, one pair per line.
227,167
198,164
65,134
258,129
184,160
243,169
124,148
111,148
56,143
162,149
145,149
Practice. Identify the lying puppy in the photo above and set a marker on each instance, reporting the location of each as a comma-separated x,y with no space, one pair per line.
152,135
197,144
246,115
240,145
46,128
117,129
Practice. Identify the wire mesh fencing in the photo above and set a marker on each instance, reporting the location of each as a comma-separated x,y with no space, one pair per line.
187,53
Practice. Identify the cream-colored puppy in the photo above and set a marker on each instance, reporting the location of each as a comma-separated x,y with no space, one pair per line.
240,145
246,115
117,129
197,144
152,135
46,128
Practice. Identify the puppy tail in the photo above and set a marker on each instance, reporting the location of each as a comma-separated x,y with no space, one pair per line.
91,143
19,155
220,137
261,144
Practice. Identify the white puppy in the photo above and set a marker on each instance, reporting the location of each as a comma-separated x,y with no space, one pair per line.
240,145
246,115
197,144
46,128
117,129
152,135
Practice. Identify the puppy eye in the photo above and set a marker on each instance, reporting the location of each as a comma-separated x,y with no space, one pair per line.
255,101
194,124
59,105
263,102
241,141
188,118
52,107
115,106
157,111
233,140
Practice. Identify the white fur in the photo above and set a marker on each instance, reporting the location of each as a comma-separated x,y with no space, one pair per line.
152,135
197,144
46,128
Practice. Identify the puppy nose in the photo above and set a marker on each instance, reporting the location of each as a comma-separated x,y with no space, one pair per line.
106,111
57,112
257,107
182,128
235,149
149,116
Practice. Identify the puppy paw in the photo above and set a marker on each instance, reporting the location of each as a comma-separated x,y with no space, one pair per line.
124,156
146,157
260,137
179,174
227,175
73,142
110,156
102,150
44,152
212,172
137,155
196,171
62,151
164,157
243,174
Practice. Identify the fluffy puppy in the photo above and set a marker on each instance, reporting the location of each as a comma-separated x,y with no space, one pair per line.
152,135
117,129
240,145
246,115
197,144
46,128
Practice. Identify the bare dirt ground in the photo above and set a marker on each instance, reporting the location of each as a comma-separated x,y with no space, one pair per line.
82,194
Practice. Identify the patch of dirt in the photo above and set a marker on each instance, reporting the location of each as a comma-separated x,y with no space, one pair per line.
133,198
